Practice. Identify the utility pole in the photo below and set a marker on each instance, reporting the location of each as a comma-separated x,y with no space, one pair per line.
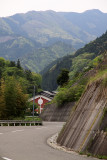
33,101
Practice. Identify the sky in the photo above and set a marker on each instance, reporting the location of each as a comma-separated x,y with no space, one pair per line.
10,7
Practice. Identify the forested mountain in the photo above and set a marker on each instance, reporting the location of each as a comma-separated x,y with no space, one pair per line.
41,57
84,59
27,36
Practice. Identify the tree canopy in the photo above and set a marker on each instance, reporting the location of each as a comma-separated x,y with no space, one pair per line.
16,86
13,101
63,77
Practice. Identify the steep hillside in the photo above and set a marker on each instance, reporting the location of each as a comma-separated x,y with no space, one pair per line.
31,54
86,119
40,58
16,47
49,78
80,61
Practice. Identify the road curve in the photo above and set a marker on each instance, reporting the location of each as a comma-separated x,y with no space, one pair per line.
30,143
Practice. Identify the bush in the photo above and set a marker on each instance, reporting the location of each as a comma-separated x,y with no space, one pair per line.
69,95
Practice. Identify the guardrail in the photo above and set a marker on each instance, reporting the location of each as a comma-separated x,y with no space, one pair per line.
19,123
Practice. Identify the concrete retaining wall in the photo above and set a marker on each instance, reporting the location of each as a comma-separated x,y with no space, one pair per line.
99,144
53,113
85,120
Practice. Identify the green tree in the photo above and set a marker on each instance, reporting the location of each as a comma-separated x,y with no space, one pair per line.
15,99
2,62
21,101
2,100
63,77
18,64
12,64
2,65
26,78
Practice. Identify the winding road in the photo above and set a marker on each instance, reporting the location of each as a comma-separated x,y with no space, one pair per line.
30,143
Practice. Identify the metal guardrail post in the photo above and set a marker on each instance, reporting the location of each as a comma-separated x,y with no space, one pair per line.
14,122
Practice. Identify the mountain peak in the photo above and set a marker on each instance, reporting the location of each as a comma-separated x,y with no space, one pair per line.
94,11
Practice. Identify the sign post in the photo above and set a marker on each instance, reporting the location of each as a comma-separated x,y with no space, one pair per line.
40,102
33,101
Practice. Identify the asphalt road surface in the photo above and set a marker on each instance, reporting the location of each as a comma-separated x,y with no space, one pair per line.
30,143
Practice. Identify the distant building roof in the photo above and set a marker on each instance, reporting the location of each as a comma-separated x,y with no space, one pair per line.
47,94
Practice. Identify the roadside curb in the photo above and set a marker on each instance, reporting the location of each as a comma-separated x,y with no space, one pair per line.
52,143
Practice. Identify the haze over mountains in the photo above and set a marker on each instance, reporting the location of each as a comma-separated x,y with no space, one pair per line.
39,37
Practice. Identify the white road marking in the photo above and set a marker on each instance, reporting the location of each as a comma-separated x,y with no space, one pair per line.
6,158
17,131
41,128
1,133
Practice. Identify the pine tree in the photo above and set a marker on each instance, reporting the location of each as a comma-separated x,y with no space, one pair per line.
63,77
18,64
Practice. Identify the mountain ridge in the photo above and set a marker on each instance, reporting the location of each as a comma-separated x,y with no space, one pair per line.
53,24
38,29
